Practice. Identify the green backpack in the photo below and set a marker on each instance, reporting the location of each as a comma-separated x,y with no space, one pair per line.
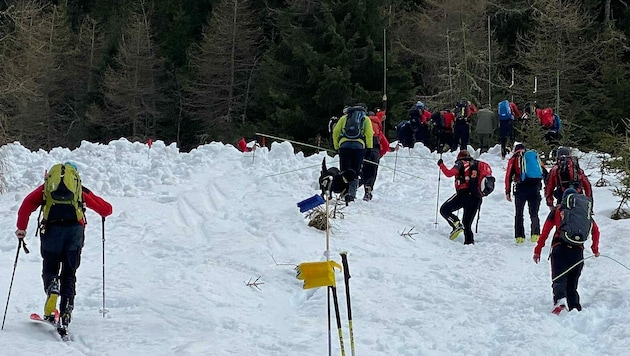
63,194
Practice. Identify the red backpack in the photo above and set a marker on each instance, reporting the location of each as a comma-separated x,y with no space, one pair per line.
546,118
447,120
479,176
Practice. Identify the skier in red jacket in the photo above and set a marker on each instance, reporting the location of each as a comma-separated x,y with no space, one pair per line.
61,243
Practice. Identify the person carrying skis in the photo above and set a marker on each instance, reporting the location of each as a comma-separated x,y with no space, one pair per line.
62,198
566,255
527,171
465,197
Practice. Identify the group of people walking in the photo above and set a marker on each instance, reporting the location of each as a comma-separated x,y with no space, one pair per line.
567,191
568,195
452,126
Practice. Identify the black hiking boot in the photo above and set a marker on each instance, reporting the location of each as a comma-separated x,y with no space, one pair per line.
368,194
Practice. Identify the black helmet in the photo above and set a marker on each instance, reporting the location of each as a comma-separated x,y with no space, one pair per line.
563,151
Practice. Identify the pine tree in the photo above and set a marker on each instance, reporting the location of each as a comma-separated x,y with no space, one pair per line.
34,57
556,58
622,165
222,65
131,84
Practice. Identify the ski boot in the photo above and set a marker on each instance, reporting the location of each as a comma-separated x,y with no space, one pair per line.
51,300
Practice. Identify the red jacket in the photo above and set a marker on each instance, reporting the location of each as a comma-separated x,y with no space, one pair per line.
514,170
515,110
35,199
460,184
377,126
242,145
449,120
426,117
381,115
554,220
554,181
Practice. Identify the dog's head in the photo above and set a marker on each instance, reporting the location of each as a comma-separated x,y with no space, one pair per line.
332,180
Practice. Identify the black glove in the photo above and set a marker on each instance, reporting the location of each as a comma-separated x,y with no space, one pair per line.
440,162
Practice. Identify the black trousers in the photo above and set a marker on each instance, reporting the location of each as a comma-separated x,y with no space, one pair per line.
530,194
370,170
461,135
506,130
563,257
61,247
470,203
351,158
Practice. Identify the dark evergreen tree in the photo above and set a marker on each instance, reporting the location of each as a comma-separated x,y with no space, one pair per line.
328,54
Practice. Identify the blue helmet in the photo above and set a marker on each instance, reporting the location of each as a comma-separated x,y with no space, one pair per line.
72,164
420,105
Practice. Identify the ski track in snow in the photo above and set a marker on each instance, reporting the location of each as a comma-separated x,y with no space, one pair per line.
189,230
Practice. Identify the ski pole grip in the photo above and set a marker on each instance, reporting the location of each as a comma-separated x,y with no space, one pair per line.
344,262
24,246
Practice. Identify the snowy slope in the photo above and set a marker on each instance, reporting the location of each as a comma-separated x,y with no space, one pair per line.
190,229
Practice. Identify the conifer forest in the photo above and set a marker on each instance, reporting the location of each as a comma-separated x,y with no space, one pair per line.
196,71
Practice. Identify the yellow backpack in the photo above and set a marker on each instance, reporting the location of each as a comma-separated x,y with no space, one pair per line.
63,194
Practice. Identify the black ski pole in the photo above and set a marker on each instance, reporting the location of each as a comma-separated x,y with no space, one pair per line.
336,302
103,241
21,244
478,213
437,199
329,324
346,278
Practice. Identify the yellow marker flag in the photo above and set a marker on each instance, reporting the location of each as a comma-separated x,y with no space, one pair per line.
317,274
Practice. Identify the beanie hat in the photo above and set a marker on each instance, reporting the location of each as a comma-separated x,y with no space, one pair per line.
463,154
519,146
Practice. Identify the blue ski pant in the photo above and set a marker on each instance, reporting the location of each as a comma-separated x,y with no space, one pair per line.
61,247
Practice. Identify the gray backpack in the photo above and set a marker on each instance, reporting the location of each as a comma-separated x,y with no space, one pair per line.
577,220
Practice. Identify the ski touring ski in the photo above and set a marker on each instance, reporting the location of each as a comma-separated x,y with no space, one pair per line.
56,325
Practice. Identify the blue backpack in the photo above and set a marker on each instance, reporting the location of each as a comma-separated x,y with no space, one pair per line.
557,124
530,166
504,111
354,123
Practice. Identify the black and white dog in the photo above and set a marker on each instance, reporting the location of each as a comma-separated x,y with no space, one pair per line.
332,180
